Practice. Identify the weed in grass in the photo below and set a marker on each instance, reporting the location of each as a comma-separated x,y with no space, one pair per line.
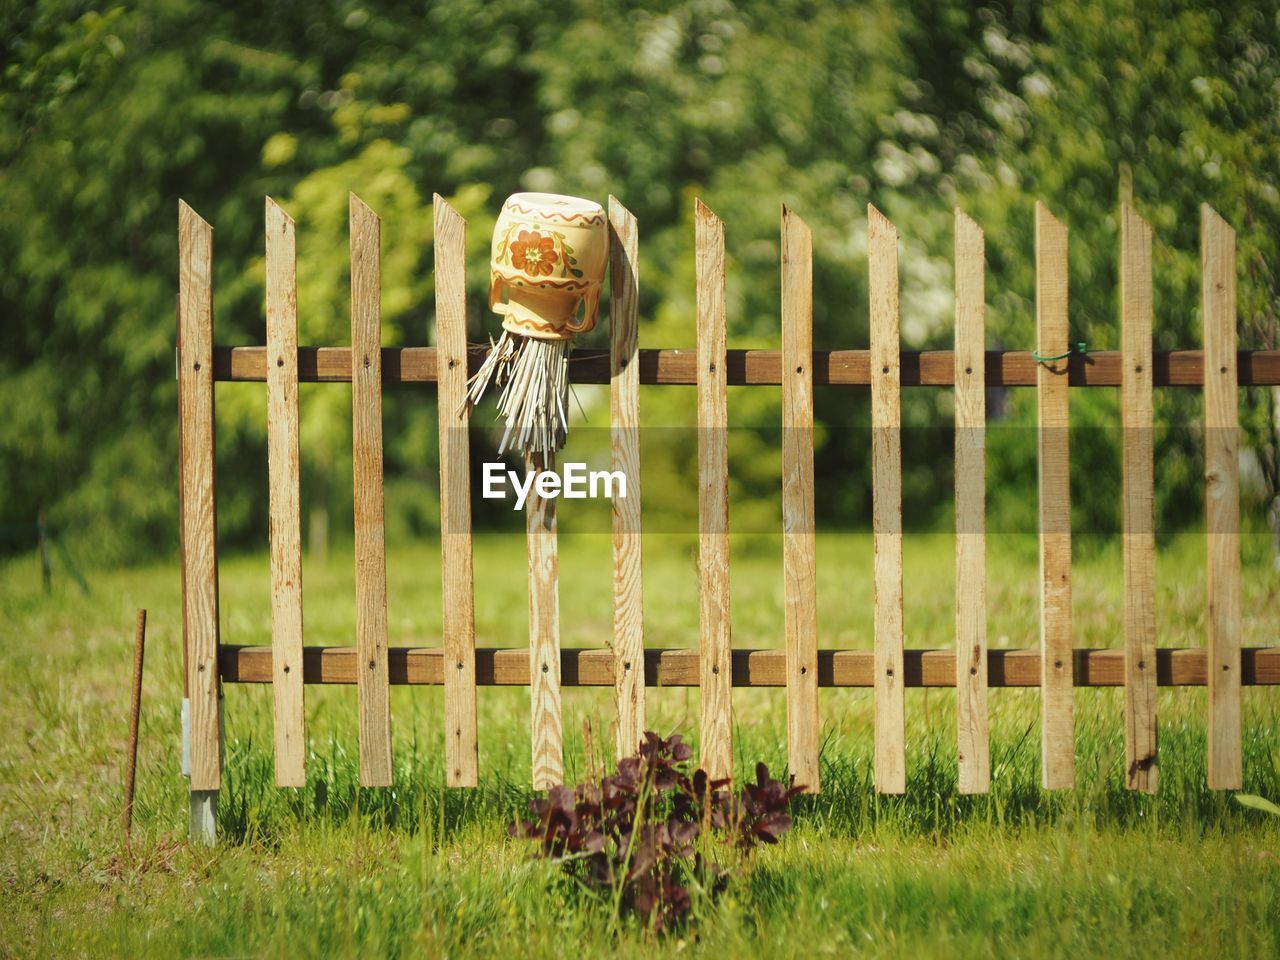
645,837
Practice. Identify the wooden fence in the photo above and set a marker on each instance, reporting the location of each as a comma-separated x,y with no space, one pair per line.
715,666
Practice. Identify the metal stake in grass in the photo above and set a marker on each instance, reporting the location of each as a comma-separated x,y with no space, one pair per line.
135,708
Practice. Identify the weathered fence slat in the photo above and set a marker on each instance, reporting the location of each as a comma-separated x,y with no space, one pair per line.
284,496
674,667
1056,723
544,633
833,368
1222,497
457,606
624,414
714,629
973,746
1139,541
198,494
370,547
886,508
800,598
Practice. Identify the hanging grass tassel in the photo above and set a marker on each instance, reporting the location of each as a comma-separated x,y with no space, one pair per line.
548,258
534,377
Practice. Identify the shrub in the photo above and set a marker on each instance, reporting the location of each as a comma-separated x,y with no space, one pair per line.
652,834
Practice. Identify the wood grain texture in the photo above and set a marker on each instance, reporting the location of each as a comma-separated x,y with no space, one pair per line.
198,494
457,607
284,497
1139,539
1056,722
544,635
799,561
973,740
715,635
1222,497
182,510
370,546
624,416
837,368
886,508
673,667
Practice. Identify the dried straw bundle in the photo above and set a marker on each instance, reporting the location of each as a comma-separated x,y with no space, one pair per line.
534,377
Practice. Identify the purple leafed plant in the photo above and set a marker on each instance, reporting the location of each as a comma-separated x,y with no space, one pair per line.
652,833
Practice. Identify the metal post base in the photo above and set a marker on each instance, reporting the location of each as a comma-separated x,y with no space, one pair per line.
204,817
204,803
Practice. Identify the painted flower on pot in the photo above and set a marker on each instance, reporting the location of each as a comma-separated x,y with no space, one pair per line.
534,253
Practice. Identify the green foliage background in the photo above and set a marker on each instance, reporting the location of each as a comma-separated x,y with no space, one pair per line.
109,112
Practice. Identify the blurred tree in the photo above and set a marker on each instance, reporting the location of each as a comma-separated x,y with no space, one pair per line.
1173,103
109,114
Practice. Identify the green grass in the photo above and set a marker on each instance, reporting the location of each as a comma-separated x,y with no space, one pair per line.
335,870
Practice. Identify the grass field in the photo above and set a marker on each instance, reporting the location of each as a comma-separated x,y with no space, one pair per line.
417,870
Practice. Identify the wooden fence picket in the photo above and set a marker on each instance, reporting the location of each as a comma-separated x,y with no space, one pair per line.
800,581
1056,661
546,725
1139,539
624,415
457,607
886,509
198,493
284,497
714,629
1222,497
370,547
973,746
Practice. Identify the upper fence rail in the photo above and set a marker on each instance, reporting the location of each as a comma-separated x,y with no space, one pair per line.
851,368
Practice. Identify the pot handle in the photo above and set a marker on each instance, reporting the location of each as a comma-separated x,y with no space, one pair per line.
590,313
496,288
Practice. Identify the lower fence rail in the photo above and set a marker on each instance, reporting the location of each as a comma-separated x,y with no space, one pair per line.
509,667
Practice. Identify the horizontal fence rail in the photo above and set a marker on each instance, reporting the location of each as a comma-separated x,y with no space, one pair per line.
831,368
632,662
502,667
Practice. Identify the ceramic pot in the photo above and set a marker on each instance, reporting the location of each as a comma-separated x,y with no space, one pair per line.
548,259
